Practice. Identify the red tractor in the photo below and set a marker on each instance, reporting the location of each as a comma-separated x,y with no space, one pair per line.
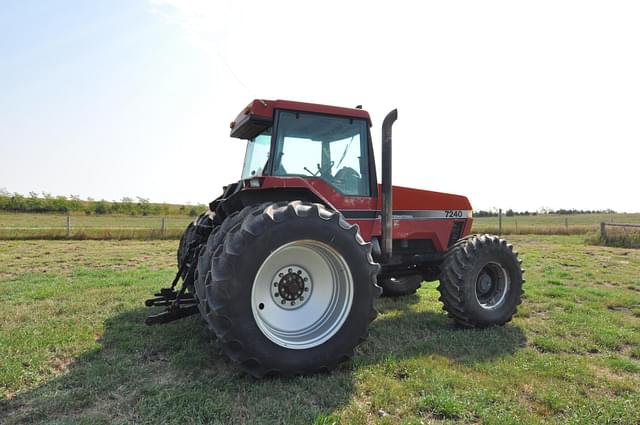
286,264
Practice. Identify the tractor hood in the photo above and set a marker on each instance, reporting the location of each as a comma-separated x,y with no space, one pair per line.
410,199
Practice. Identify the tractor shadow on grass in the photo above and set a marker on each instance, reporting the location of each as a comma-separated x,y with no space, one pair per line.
404,330
176,373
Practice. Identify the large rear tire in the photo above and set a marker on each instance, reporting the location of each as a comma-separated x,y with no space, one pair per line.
481,281
193,236
205,255
290,289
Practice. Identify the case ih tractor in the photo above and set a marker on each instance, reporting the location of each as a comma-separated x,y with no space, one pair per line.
285,265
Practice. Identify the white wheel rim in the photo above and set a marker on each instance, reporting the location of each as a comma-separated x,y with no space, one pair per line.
316,284
492,286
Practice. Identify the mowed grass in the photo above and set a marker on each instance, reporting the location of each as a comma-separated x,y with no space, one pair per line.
73,348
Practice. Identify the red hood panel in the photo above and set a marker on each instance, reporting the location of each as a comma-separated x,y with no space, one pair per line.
405,198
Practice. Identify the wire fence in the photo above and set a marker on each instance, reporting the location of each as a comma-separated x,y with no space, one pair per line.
549,224
623,235
56,226
80,226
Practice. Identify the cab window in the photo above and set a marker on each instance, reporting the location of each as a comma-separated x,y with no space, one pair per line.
322,146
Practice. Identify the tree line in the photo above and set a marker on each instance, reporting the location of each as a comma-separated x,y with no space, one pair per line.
47,203
561,211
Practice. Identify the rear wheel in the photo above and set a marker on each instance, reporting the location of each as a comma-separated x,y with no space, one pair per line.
481,281
194,235
205,256
290,289
399,286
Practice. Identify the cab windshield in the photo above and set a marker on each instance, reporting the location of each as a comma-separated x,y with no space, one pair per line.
327,147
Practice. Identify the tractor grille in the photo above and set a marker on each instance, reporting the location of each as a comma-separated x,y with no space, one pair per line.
456,231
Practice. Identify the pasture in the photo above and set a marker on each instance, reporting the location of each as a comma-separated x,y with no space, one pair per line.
73,348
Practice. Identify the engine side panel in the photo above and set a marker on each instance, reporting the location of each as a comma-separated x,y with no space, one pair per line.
418,214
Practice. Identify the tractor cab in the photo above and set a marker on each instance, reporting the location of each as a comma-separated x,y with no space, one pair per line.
303,140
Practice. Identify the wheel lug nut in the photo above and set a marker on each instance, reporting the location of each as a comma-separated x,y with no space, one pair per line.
293,303
283,302
301,298
276,295
280,274
275,283
305,279
306,289
289,270
299,271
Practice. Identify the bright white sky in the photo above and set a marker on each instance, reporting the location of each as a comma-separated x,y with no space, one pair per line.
515,104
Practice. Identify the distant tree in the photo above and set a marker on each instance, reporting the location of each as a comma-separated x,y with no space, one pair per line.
102,207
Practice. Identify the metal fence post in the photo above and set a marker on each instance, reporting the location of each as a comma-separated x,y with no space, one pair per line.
68,226
500,222
603,231
162,227
566,224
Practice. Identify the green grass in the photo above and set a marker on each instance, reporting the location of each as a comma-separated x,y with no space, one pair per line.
73,348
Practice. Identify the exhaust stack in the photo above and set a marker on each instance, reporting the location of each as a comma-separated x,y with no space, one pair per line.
387,196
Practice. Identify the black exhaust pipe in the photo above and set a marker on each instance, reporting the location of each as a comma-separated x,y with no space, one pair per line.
387,196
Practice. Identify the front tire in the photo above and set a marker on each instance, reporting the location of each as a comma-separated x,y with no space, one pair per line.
291,289
481,281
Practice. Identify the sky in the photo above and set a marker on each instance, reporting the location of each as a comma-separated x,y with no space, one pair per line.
521,105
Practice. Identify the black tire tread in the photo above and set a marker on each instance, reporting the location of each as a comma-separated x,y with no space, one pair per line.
207,252
227,258
458,261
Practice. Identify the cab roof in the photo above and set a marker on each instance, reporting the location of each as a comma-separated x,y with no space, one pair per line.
260,111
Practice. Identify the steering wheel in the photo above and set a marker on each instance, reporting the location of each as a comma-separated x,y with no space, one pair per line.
321,170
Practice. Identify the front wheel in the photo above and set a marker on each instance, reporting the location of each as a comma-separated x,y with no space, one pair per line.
291,289
481,281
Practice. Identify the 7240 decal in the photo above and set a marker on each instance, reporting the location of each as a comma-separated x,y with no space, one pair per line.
453,213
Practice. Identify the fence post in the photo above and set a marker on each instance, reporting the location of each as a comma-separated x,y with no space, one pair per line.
500,222
566,224
162,227
68,226
603,231
516,226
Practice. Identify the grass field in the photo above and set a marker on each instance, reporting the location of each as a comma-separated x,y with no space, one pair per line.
73,348
53,226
